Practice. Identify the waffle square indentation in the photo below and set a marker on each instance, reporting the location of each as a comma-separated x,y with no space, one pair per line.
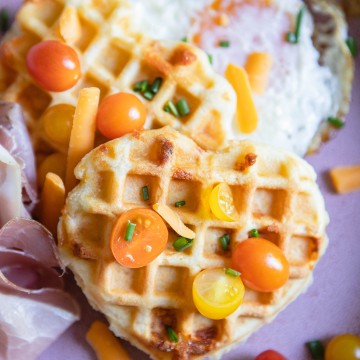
184,190
269,202
170,280
113,58
133,191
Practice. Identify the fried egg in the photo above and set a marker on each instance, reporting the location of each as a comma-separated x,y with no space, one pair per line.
300,93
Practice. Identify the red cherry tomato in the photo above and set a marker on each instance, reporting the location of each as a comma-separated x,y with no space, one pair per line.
270,355
262,264
147,242
120,114
53,65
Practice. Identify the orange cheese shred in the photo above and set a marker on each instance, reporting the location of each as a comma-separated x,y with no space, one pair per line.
52,201
82,133
104,343
173,219
258,65
246,114
346,179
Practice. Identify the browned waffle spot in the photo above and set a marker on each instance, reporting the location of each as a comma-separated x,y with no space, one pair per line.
183,56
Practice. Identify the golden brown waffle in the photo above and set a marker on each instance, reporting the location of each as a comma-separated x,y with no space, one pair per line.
113,59
277,195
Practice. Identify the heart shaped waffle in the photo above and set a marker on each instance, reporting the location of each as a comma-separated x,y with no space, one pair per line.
275,193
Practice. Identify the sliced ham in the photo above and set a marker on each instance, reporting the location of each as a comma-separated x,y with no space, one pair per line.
34,308
15,138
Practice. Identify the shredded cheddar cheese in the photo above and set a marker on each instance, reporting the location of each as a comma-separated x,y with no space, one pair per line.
82,133
104,343
51,202
346,179
173,219
247,118
69,25
258,65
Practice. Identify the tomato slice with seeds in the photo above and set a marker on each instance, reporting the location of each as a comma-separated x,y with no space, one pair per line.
222,203
147,242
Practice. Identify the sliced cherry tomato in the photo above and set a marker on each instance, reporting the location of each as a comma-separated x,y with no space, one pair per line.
270,355
53,65
343,347
216,295
57,122
147,242
120,114
222,202
262,265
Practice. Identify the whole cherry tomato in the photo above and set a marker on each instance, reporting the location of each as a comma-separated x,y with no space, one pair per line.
262,264
53,65
270,355
343,347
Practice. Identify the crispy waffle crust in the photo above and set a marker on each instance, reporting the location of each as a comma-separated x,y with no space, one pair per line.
273,191
329,38
113,58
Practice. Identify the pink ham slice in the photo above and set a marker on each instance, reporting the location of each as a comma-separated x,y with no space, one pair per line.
34,308
14,137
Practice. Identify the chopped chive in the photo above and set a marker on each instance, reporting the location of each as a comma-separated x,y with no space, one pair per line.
155,86
141,86
183,107
224,43
4,20
184,39
294,37
299,18
210,57
291,37
182,243
166,109
232,272
352,45
180,203
316,349
172,334
148,95
172,108
145,193
254,233
335,122
225,241
130,231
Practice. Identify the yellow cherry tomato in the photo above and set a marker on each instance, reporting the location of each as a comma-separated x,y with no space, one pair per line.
216,294
57,122
343,347
55,163
222,203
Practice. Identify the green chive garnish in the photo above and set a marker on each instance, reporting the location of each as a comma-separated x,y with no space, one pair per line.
210,57
180,203
148,95
294,37
130,231
316,349
224,43
181,243
145,193
335,122
155,86
352,45
141,86
184,39
172,108
225,241
254,233
166,109
232,272
4,20
172,334
183,107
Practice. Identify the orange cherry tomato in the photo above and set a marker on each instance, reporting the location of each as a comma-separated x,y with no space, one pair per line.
262,264
147,242
120,114
343,347
270,355
53,65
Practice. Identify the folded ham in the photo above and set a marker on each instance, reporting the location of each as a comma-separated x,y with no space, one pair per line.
15,139
34,308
